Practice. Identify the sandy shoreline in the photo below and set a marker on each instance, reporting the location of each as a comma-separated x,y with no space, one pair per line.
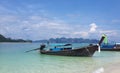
112,68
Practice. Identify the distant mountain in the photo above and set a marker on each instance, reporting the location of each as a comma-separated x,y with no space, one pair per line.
68,40
4,39
51,40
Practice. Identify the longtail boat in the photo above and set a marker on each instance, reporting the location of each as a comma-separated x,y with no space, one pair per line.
110,47
86,51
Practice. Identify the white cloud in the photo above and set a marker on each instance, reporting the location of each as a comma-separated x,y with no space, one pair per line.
36,27
109,32
27,24
39,27
73,15
93,27
8,18
116,21
81,34
33,22
113,35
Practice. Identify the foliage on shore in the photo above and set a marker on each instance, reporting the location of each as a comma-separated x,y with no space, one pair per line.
4,39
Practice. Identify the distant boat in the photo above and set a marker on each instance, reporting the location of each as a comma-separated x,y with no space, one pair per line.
110,47
67,50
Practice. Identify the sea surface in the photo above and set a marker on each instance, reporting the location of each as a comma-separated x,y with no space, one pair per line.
13,59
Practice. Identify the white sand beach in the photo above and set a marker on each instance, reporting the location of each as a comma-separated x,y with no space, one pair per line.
112,68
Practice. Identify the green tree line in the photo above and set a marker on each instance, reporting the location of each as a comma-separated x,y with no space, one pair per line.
4,39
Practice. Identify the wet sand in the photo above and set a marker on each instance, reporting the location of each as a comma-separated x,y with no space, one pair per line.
113,68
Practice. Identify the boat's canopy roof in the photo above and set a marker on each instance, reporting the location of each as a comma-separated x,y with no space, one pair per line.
65,45
61,47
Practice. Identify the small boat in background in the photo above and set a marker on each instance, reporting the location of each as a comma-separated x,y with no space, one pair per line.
110,47
67,50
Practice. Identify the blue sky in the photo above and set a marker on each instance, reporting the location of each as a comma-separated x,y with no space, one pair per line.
44,19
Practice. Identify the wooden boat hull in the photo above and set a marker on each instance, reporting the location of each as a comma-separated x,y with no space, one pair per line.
85,51
112,49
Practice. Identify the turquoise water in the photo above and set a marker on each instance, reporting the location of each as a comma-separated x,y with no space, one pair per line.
13,59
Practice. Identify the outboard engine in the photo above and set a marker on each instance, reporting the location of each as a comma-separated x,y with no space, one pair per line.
42,46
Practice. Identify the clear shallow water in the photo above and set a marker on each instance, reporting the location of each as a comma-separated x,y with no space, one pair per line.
13,59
